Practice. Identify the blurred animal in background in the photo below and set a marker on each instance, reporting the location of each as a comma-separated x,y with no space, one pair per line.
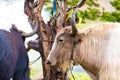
13,55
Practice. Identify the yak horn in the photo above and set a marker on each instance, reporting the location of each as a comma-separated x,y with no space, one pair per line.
31,33
73,24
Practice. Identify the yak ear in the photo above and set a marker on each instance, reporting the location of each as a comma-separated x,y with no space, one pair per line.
80,37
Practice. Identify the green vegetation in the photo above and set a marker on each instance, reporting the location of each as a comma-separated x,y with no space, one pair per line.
48,8
90,13
94,14
116,4
73,2
111,17
33,72
80,76
48,1
88,2
92,3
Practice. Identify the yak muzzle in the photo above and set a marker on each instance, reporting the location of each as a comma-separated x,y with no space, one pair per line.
48,62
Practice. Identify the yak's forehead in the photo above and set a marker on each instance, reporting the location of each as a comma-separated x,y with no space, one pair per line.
64,32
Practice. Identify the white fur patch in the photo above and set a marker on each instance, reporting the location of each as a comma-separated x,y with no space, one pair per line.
53,48
113,50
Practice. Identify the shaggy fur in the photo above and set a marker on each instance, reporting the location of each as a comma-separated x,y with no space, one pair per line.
96,49
13,56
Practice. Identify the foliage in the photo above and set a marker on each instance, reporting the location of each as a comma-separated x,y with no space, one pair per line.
92,3
47,1
94,14
48,8
90,13
73,2
88,2
116,4
112,17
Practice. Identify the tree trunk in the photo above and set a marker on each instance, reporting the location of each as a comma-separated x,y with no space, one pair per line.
44,53
46,34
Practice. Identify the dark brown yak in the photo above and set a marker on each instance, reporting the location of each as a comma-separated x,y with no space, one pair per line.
96,49
13,54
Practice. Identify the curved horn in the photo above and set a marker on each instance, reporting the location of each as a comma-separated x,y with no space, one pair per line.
35,29
73,24
26,34
80,4
31,33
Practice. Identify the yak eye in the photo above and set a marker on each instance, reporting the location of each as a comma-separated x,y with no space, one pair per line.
60,40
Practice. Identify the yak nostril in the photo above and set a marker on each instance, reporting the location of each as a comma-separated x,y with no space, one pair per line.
48,62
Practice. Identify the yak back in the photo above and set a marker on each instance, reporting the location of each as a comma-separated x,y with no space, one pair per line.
12,53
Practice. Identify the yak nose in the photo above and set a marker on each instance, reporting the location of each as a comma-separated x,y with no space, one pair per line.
48,62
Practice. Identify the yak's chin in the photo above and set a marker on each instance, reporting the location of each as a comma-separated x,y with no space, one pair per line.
58,67
62,67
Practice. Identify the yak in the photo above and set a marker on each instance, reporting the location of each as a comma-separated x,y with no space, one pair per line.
96,48
13,55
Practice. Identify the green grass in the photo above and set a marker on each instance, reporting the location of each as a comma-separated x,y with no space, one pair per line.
34,72
80,76
116,4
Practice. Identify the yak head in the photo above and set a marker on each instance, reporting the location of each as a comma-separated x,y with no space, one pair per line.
62,51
